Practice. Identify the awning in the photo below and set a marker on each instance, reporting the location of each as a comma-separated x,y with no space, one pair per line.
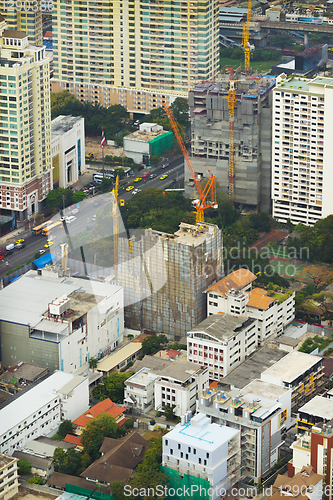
199,110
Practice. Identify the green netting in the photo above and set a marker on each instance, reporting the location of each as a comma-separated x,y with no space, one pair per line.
195,488
70,488
161,143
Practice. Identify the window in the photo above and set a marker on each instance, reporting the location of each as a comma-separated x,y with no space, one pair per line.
207,455
166,442
179,447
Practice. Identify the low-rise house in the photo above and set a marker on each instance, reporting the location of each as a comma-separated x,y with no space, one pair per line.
74,440
40,409
8,477
106,406
139,390
45,446
179,384
119,459
20,375
234,295
203,449
305,485
221,342
42,466
120,359
65,481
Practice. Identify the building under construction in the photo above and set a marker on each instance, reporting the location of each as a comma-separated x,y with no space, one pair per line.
252,124
164,275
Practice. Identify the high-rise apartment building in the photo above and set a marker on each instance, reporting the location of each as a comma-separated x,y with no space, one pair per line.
209,114
28,19
25,124
302,149
137,53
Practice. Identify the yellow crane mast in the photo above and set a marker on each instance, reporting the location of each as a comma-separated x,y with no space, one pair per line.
231,108
115,222
246,35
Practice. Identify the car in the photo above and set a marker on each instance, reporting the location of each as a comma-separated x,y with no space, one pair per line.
49,244
163,177
135,191
2,257
70,219
41,251
147,174
3,252
75,211
152,176
19,246
136,123
19,241
129,188
138,179
165,165
93,218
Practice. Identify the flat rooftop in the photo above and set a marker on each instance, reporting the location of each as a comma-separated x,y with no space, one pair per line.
318,407
223,326
294,84
284,339
24,406
63,123
291,366
139,135
253,367
200,432
142,377
220,87
118,357
25,301
180,370
264,389
187,234
5,460
154,363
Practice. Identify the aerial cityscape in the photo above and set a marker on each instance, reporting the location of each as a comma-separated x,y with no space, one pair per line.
166,249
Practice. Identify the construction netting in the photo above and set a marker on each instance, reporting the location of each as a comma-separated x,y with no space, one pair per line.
161,143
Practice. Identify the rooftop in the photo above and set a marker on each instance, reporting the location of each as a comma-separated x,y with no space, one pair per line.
27,371
235,280
5,460
28,402
180,370
319,407
43,445
142,377
294,84
222,326
14,34
152,362
291,366
26,300
42,463
284,339
253,366
105,406
62,123
202,433
139,135
259,299
264,389
118,357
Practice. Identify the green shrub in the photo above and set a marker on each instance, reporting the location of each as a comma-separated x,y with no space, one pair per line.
152,422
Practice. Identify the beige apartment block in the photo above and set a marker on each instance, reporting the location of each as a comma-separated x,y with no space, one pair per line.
8,477
25,124
137,53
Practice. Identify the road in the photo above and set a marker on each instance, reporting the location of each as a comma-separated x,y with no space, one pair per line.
87,210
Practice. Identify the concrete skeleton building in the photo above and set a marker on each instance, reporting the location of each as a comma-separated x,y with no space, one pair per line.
151,52
221,342
25,130
203,449
235,296
59,322
9,479
302,176
209,116
40,410
164,275
260,411
68,150
149,140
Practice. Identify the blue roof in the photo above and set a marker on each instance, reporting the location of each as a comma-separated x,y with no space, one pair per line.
44,260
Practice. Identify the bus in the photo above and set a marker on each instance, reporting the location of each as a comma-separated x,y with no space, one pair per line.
47,230
98,176
38,229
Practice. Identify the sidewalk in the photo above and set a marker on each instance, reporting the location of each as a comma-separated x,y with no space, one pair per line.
14,235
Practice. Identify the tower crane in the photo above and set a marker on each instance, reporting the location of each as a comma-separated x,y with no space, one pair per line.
210,187
231,108
246,34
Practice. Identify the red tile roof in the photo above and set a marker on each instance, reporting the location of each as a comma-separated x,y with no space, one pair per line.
106,406
237,279
48,34
73,440
172,353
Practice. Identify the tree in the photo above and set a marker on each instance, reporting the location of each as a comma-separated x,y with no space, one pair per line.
324,301
282,40
180,111
153,343
24,467
65,103
93,435
66,427
68,461
78,196
93,363
112,387
129,423
117,488
169,412
59,197
148,475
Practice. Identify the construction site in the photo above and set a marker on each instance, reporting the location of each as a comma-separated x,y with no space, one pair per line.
164,276
231,136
